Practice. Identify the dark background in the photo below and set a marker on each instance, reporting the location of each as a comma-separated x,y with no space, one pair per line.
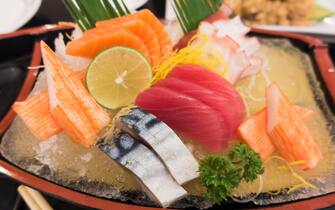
53,11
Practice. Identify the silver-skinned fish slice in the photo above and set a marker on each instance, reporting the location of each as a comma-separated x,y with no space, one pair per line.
143,163
163,140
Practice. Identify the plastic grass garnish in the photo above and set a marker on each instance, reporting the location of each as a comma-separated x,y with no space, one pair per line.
196,52
288,166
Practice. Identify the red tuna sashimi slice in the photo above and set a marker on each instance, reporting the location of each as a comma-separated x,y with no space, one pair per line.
184,114
235,109
208,97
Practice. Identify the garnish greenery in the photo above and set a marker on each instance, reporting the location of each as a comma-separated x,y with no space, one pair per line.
248,160
191,12
222,174
87,12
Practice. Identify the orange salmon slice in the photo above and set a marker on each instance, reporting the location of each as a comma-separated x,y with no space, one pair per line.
156,25
139,28
74,110
253,131
90,46
287,131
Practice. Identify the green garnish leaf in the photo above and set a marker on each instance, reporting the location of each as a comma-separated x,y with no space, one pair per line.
191,12
87,12
248,160
222,174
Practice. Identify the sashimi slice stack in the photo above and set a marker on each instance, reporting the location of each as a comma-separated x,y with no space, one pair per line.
141,31
198,103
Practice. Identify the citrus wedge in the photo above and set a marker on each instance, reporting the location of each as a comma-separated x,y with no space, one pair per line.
117,75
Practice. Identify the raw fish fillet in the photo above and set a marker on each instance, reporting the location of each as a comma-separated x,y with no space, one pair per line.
90,46
234,109
35,113
72,107
184,114
162,139
138,27
204,107
157,26
143,163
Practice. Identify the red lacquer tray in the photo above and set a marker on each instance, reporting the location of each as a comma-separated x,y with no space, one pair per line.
319,52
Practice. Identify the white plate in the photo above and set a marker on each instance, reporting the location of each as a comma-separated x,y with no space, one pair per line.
15,13
325,27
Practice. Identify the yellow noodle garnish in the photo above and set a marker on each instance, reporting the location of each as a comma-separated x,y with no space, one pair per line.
288,166
196,52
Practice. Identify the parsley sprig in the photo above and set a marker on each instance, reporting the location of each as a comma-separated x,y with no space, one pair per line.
222,174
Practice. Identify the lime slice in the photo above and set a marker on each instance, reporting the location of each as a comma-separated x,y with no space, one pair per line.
117,75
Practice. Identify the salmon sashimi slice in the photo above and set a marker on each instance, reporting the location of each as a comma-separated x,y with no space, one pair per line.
35,113
157,26
253,131
71,105
196,74
287,131
90,46
138,27
184,114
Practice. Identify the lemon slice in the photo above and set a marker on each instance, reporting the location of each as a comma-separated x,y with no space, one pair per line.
117,75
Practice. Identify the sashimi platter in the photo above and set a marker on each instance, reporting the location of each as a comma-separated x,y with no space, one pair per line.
194,112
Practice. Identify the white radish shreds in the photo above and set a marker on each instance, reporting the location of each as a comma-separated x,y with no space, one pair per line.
174,30
229,37
76,33
75,62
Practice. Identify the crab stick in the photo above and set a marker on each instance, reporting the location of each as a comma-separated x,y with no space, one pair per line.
287,131
253,131
71,106
35,113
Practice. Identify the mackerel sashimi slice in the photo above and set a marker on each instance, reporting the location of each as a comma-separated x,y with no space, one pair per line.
198,103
